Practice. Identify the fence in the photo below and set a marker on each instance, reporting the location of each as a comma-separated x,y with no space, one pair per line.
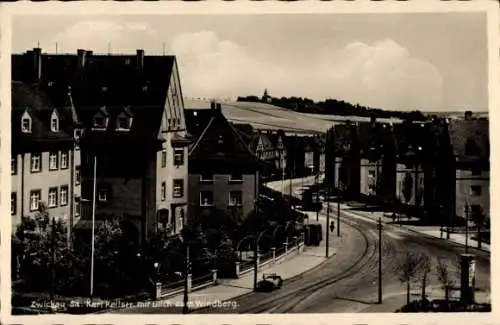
165,290
276,255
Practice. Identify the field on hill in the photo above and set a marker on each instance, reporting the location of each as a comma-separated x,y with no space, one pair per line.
265,116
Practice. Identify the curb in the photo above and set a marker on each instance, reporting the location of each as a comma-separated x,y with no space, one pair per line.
289,279
427,235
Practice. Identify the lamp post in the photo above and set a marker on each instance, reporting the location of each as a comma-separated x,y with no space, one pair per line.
187,269
327,225
256,259
317,196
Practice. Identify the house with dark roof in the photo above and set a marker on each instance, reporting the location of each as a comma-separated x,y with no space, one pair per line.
411,156
343,159
377,163
43,153
223,171
471,149
130,130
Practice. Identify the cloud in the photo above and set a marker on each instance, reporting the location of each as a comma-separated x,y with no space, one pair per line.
97,35
382,74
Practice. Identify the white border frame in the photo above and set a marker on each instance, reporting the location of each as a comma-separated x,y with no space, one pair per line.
238,7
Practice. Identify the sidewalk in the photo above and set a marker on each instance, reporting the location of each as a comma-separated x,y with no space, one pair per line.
434,231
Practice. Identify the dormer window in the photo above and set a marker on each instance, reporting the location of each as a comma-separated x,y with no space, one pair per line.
122,123
54,122
99,122
26,123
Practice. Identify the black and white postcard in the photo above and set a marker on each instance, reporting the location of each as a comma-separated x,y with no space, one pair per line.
322,162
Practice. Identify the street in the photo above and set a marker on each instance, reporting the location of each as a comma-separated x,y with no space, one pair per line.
348,283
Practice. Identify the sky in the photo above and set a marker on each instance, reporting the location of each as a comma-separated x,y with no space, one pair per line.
424,61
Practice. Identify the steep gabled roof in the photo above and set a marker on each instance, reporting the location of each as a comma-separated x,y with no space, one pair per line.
38,104
220,141
118,83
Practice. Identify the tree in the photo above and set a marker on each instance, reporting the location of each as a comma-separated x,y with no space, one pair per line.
479,219
444,277
408,270
426,265
225,257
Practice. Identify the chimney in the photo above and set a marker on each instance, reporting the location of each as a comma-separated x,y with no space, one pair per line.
468,115
212,105
89,53
140,59
37,63
81,58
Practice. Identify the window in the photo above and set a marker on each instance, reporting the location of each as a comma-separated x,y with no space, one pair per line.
77,206
99,122
13,203
53,160
13,165
206,177
178,157
178,188
163,158
77,175
102,195
36,162
63,195
475,190
54,124
371,173
235,198
122,123
475,208
236,177
35,197
163,191
26,125
64,159
52,201
206,198
476,172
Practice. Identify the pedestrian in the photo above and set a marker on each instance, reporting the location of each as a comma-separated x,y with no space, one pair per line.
332,226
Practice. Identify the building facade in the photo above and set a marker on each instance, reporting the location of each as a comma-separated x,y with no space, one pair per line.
223,171
43,152
127,123
471,149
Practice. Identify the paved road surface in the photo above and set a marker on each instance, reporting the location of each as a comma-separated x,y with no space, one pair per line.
348,283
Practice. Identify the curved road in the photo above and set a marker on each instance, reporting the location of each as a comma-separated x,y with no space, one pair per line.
348,283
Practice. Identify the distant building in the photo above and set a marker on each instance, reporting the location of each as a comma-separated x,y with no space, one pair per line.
377,163
411,158
223,172
471,149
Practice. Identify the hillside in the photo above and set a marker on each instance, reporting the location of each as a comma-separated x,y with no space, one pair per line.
265,116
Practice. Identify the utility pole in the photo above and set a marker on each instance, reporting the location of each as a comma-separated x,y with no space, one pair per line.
187,270
379,226
326,228
317,198
53,258
255,263
338,216
466,227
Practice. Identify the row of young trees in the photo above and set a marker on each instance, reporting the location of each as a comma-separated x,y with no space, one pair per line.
47,259
417,266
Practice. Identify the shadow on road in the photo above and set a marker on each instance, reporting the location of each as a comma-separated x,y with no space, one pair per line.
357,300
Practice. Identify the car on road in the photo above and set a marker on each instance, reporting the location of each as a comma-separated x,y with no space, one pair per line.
269,282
